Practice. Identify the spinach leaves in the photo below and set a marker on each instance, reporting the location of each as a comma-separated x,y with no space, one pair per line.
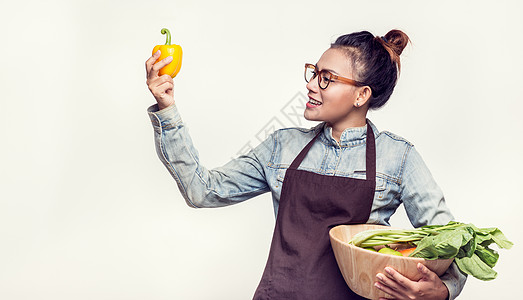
467,244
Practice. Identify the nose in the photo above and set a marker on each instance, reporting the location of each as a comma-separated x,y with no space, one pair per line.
312,85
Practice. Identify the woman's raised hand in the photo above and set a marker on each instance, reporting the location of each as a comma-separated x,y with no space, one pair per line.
160,86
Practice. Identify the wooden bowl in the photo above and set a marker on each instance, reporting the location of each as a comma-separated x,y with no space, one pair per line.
360,266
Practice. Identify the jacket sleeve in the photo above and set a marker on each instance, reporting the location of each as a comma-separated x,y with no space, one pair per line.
425,205
240,179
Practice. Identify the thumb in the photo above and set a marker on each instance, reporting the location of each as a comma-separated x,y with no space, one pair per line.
425,271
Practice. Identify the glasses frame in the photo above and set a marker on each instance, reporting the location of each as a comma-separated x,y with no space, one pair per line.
331,77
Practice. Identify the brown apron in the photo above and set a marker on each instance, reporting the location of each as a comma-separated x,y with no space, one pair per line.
301,263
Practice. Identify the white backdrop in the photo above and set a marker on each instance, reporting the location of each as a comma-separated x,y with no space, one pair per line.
87,211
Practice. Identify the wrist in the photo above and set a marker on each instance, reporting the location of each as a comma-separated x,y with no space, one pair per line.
164,105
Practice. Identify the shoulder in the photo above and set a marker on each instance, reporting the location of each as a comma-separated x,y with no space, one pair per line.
390,144
390,137
295,134
392,153
387,138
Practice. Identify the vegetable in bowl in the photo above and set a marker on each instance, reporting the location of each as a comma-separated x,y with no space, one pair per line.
466,243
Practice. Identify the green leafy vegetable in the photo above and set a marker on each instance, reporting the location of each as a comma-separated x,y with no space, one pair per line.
444,245
476,267
487,255
466,243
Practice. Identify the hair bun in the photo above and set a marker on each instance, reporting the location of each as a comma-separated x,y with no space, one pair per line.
394,42
397,40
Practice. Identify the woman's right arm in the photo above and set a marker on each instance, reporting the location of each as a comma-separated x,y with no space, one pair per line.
239,180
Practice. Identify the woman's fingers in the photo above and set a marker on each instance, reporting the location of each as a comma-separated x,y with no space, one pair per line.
397,277
153,71
388,285
393,283
160,84
426,272
391,294
157,66
162,90
153,68
150,62
429,286
158,81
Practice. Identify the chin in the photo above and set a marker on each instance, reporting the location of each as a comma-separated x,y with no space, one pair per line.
308,116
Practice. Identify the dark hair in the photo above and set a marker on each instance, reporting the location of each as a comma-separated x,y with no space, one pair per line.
375,61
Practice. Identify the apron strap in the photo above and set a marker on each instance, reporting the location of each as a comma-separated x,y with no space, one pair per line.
370,154
370,163
297,161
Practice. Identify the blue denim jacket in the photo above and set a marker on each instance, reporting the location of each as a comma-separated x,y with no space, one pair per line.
401,174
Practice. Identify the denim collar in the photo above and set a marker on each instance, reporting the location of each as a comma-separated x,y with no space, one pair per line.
349,137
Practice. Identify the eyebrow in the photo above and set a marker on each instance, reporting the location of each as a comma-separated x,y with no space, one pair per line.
332,71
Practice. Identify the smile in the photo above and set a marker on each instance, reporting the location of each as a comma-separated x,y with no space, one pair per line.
313,103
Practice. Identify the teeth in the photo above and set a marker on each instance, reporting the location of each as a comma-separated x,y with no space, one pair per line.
312,101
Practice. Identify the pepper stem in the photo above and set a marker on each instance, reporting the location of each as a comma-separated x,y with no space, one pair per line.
168,37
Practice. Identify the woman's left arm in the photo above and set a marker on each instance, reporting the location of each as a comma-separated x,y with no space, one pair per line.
425,205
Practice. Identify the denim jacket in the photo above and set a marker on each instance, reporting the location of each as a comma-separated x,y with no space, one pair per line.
401,174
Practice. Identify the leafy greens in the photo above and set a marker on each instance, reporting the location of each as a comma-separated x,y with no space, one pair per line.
466,243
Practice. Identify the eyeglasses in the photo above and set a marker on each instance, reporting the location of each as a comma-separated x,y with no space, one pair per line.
325,77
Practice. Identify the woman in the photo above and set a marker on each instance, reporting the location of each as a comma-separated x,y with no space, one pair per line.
343,171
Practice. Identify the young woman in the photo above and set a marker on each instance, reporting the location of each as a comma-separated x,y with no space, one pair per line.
343,171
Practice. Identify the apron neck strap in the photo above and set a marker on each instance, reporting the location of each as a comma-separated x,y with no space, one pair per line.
370,153
297,161
370,163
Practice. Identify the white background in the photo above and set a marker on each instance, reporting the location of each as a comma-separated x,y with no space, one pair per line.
87,211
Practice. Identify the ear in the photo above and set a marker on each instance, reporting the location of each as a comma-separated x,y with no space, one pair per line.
364,93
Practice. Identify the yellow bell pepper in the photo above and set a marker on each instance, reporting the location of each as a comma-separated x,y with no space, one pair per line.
169,50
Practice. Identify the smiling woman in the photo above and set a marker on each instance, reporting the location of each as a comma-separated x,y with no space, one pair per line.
342,171
86,211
